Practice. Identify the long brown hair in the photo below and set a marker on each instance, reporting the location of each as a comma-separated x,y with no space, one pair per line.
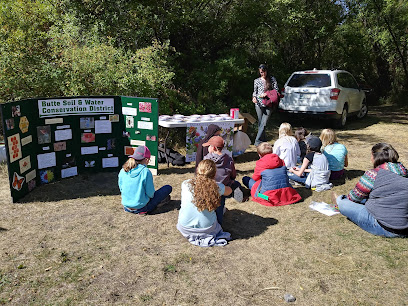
204,187
383,153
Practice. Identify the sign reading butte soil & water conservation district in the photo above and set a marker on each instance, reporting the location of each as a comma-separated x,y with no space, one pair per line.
66,107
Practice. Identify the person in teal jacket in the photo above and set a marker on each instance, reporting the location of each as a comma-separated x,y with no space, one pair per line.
136,184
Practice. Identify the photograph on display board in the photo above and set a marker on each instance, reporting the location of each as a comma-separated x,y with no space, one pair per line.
86,123
10,124
15,111
44,134
87,137
69,161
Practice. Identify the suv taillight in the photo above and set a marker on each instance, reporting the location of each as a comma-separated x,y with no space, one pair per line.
282,92
334,94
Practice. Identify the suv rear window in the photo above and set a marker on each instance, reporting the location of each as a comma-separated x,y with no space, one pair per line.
310,80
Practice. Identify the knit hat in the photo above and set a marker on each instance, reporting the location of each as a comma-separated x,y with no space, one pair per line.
314,143
215,141
140,153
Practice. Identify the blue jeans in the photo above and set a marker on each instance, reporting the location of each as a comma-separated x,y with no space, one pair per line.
358,214
263,114
220,210
299,179
248,182
159,195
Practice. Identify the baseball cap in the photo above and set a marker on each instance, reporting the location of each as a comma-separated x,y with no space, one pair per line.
215,141
263,67
314,143
140,153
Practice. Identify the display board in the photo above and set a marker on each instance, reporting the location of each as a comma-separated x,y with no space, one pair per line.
56,138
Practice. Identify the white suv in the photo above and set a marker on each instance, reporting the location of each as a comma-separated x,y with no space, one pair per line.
333,94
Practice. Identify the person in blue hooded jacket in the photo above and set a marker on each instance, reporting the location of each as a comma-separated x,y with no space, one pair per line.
136,184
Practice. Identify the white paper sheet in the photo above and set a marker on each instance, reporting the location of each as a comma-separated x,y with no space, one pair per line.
68,172
129,111
145,125
145,119
63,134
46,148
61,127
110,162
103,127
89,150
137,142
323,208
152,160
46,160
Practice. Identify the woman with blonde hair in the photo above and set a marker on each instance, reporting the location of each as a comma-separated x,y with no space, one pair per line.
200,197
287,146
335,152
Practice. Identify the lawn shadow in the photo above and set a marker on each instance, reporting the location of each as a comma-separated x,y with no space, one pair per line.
352,174
173,205
304,193
177,170
80,186
246,157
244,225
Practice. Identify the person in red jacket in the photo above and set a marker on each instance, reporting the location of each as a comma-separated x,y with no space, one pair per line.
270,183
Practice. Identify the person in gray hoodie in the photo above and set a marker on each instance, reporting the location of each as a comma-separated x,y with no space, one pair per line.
226,172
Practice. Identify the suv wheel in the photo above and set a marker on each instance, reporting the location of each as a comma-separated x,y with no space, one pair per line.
341,122
363,110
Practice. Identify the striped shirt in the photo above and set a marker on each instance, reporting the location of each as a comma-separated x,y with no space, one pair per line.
366,182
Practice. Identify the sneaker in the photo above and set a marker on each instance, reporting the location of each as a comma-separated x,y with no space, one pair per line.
165,201
294,183
238,195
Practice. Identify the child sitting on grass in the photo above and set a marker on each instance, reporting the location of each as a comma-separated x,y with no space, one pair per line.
300,135
200,197
314,172
335,152
226,172
270,179
136,185
287,147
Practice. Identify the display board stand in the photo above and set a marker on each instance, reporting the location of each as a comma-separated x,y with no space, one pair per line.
55,138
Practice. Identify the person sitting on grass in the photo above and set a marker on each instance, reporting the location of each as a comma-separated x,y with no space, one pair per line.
270,179
335,152
200,197
379,202
287,147
136,185
300,135
226,172
314,172
202,151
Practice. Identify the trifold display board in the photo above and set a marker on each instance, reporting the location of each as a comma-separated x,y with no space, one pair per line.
54,138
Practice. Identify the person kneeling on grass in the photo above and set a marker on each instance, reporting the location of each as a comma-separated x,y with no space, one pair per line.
314,172
379,202
136,185
200,197
270,179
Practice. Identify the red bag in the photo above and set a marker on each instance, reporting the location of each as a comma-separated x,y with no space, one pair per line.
271,98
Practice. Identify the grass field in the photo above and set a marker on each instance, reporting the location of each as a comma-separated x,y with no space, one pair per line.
71,243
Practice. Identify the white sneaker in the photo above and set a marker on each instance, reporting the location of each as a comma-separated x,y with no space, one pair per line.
238,195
